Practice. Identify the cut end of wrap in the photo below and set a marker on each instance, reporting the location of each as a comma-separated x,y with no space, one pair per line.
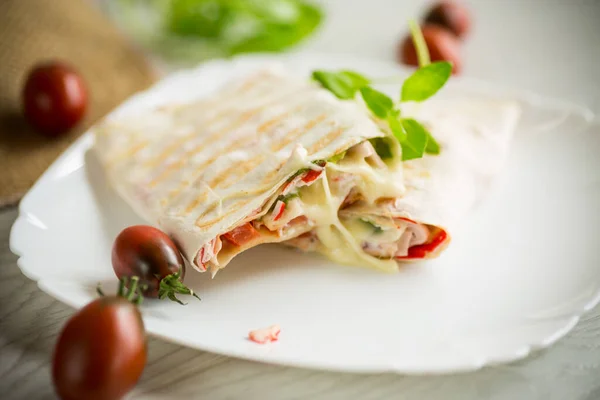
438,241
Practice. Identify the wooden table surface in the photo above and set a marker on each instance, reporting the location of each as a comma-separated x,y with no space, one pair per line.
546,46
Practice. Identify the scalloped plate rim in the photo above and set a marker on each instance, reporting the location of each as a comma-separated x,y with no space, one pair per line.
530,98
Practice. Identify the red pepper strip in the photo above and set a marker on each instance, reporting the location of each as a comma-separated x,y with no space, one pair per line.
407,220
422,250
281,210
311,176
242,234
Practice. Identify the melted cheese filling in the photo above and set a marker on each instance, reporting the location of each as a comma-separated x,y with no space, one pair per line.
355,238
342,240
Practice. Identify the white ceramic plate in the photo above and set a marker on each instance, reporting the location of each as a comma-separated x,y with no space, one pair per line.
517,276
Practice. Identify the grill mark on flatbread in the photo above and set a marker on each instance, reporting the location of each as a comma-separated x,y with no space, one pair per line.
171,148
227,109
248,166
250,83
267,178
217,182
262,129
128,153
258,191
245,116
223,101
267,125
241,170
173,193
222,216
296,133
190,153
344,148
325,140
233,93
255,192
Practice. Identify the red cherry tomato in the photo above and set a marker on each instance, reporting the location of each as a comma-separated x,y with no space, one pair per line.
442,45
101,351
54,98
452,16
151,255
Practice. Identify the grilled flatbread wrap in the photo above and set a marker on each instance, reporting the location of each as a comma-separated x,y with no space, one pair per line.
275,158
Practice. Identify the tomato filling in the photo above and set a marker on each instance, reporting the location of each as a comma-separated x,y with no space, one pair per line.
420,251
242,234
311,176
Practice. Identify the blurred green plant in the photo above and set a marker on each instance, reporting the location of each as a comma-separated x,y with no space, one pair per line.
193,30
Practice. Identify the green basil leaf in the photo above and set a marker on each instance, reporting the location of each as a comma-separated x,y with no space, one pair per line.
382,148
416,139
357,80
335,83
344,84
426,81
337,157
396,127
379,103
433,147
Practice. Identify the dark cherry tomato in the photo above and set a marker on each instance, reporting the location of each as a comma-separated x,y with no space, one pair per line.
151,255
452,16
442,45
54,98
101,351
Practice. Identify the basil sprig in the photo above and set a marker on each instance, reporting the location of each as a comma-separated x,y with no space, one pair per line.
344,84
427,80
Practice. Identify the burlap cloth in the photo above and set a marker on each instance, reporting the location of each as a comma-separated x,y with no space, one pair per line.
74,31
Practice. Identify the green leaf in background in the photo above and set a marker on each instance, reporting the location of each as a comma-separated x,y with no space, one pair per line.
242,26
277,36
426,81
416,139
379,103
204,18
